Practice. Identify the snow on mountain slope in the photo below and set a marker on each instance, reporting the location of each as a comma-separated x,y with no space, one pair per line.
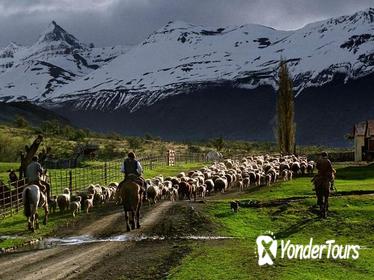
179,55
56,59
9,55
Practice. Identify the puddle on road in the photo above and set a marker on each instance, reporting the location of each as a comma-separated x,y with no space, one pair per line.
86,239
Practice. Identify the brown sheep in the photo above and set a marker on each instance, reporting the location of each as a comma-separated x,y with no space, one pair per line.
184,190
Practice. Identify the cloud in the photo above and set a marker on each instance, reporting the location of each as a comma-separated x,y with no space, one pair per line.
111,22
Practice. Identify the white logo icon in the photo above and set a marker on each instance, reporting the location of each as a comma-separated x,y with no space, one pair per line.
266,253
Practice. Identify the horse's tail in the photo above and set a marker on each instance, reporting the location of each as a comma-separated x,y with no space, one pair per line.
27,203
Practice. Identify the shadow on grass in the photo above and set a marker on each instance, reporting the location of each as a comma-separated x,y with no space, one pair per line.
295,228
356,172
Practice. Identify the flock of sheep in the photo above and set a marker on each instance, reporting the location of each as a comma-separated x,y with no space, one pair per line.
219,177
86,199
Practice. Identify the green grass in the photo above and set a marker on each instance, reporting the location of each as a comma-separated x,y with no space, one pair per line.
16,226
351,221
172,170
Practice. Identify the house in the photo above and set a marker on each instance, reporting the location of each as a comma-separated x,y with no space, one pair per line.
363,134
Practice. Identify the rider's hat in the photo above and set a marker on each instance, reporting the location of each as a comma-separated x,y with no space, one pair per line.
324,154
131,155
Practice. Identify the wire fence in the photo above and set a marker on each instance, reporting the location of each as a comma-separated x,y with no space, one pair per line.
78,179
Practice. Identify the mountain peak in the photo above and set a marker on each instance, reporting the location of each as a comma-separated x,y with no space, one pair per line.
55,33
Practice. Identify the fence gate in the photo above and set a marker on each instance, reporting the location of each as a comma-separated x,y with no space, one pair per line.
171,158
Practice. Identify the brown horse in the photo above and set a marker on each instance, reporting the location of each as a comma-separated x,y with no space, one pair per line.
322,187
131,195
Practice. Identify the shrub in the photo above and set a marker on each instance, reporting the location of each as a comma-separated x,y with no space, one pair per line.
20,122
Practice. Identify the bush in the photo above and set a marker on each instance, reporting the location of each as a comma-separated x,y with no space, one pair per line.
21,122
194,149
135,142
10,147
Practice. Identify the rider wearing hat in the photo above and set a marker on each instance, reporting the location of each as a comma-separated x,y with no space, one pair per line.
133,170
33,172
325,169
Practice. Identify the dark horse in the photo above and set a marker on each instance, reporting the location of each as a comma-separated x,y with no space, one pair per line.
322,187
33,198
131,194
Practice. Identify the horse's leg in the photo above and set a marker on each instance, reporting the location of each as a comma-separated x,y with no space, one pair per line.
29,223
46,211
36,220
132,220
127,221
138,217
326,194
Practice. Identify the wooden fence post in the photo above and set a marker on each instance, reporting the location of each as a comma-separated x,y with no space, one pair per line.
11,202
106,173
71,181
17,196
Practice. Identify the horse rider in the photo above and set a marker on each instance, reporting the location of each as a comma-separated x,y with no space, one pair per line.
33,172
133,171
12,176
325,170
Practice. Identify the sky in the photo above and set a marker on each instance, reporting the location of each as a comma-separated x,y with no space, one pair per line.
128,22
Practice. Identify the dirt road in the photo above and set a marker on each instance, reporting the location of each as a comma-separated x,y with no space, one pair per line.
146,259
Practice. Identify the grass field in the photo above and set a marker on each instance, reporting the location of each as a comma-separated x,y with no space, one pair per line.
351,221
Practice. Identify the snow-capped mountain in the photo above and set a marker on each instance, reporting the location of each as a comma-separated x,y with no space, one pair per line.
192,82
56,59
181,56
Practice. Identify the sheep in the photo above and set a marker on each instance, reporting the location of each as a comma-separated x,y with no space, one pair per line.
185,190
63,200
285,175
220,184
152,194
172,194
209,184
89,202
246,182
310,168
181,175
75,206
53,203
201,190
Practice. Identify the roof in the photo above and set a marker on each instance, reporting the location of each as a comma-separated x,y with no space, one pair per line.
365,128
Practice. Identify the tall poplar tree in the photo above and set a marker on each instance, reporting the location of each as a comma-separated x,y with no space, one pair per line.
286,128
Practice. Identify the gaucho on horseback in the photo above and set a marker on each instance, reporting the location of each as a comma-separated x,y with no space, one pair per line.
133,170
33,174
132,190
323,182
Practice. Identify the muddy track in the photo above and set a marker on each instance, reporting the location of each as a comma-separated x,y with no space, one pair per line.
73,262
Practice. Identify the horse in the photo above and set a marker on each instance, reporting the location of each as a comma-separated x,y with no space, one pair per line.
131,195
33,198
322,187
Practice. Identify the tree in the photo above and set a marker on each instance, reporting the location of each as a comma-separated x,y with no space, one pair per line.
134,142
286,128
20,122
218,143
